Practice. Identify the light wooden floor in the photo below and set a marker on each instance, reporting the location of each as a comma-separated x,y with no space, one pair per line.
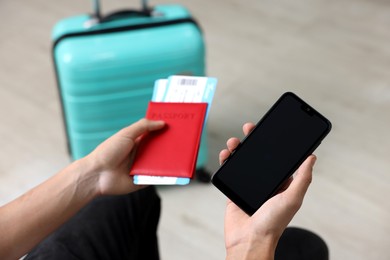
335,54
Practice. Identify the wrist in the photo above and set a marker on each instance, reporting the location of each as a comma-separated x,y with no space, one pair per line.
88,177
263,249
250,253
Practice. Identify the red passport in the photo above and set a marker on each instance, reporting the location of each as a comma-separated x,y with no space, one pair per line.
172,151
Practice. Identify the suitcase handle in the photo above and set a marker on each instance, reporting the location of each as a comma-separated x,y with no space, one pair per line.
124,14
144,12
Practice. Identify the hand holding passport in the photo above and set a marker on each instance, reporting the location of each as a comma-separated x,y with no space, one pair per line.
169,156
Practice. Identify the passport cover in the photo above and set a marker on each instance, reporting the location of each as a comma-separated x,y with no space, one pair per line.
173,150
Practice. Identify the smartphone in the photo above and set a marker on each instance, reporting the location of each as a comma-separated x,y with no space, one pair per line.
280,142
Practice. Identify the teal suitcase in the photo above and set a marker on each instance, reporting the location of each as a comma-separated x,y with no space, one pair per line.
106,68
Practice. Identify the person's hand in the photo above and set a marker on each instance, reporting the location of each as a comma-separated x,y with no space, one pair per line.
113,158
256,237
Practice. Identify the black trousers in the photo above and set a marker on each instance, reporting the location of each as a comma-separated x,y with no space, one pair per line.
114,227
300,244
125,227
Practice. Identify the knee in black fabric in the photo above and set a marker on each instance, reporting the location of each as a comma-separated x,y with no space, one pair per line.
112,227
300,244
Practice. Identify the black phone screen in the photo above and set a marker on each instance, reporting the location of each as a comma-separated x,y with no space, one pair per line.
288,133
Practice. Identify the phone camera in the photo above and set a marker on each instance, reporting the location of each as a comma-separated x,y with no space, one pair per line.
307,109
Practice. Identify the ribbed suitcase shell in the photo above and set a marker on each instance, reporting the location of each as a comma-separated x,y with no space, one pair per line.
106,72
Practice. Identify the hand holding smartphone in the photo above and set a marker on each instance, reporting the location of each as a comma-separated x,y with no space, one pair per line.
287,134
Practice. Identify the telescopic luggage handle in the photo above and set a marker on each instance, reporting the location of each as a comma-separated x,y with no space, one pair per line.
145,11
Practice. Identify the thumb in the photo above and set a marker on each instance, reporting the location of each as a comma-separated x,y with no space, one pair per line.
140,127
303,178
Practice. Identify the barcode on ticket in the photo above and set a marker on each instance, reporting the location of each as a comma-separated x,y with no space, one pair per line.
187,82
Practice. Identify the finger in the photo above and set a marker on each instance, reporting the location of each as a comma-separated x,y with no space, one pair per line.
302,179
140,127
223,155
247,128
232,143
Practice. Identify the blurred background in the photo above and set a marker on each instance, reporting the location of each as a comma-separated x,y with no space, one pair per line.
334,54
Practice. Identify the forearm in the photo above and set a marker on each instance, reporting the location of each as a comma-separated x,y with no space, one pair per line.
27,220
